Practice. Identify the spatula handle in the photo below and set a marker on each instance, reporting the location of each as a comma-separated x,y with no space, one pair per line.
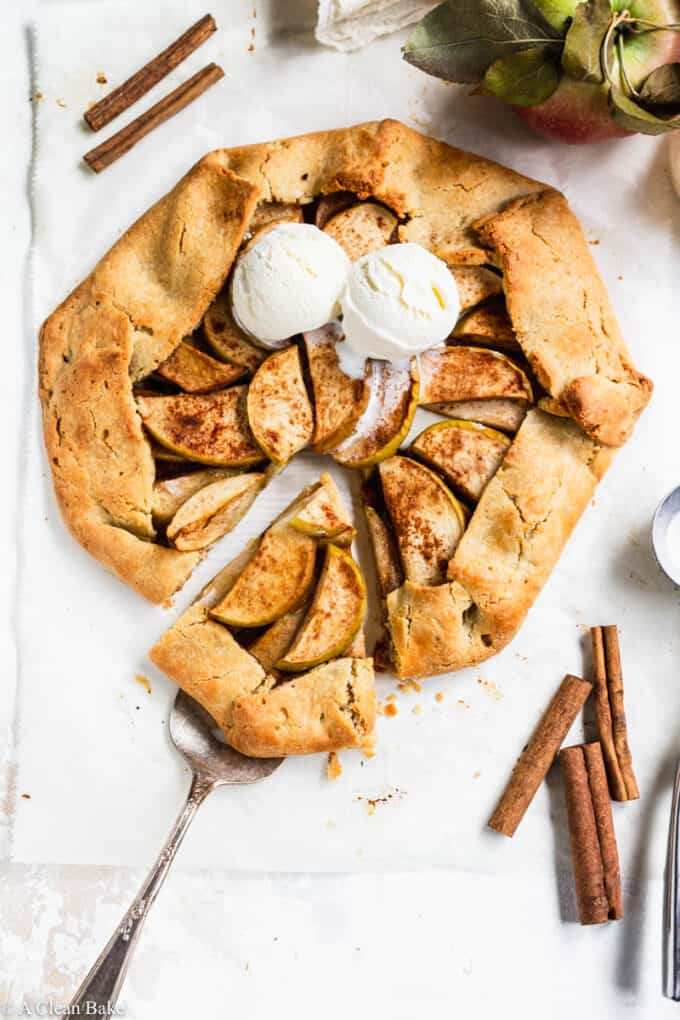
103,983
671,920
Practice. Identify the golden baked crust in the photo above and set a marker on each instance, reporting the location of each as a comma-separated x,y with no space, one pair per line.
562,315
506,554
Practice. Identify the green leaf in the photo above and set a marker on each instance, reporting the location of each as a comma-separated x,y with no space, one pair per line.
662,87
633,117
460,39
523,79
583,42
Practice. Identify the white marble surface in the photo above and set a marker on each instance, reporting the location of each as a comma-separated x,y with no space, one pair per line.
299,945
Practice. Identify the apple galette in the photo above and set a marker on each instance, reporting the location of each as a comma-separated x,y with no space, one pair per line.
313,293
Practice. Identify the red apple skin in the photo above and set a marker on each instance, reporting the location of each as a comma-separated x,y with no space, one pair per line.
576,112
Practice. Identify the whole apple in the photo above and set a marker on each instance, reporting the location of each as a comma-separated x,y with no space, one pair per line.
579,111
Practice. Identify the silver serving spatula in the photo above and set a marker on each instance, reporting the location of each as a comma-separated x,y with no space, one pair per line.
212,764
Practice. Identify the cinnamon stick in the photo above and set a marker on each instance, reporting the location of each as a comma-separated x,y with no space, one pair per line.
591,830
123,97
120,143
610,714
538,755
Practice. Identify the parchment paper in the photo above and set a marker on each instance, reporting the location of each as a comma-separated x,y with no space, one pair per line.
92,746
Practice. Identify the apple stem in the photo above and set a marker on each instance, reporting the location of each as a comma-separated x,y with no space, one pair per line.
620,20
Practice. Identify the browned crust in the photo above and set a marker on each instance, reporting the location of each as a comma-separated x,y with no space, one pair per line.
562,315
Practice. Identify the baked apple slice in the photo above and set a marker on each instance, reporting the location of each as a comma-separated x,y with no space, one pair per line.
476,284
465,453
334,616
274,581
280,414
329,206
387,418
170,493
270,213
196,372
339,400
209,429
385,553
488,325
497,413
469,373
324,516
363,228
428,520
273,643
226,339
213,511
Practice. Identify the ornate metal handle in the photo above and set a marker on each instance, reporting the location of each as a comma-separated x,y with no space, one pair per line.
671,919
103,983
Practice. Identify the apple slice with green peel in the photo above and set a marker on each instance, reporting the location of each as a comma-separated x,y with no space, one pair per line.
160,453
209,429
476,284
339,400
196,372
324,517
363,228
385,553
334,616
469,373
274,582
330,205
226,339
487,325
387,418
213,511
279,410
169,494
427,518
507,415
275,641
465,453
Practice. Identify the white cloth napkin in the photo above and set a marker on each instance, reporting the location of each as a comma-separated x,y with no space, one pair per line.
351,24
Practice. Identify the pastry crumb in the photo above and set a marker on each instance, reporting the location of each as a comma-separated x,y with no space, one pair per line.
476,775
329,824
371,803
390,709
463,703
333,768
391,697
102,79
490,687
38,96
439,696
410,685
26,796
144,681
168,603
417,709
61,103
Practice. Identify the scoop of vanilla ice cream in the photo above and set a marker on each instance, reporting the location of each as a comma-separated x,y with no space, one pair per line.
289,281
399,300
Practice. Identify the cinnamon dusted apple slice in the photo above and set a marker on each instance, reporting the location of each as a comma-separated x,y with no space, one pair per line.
469,373
387,418
339,400
196,372
488,325
476,284
385,553
209,429
465,453
274,582
497,413
163,454
329,206
213,511
324,516
279,411
226,339
428,520
269,213
334,616
170,493
275,641
364,228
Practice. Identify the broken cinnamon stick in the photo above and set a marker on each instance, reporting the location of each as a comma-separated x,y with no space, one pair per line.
120,143
591,831
123,97
538,755
610,714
